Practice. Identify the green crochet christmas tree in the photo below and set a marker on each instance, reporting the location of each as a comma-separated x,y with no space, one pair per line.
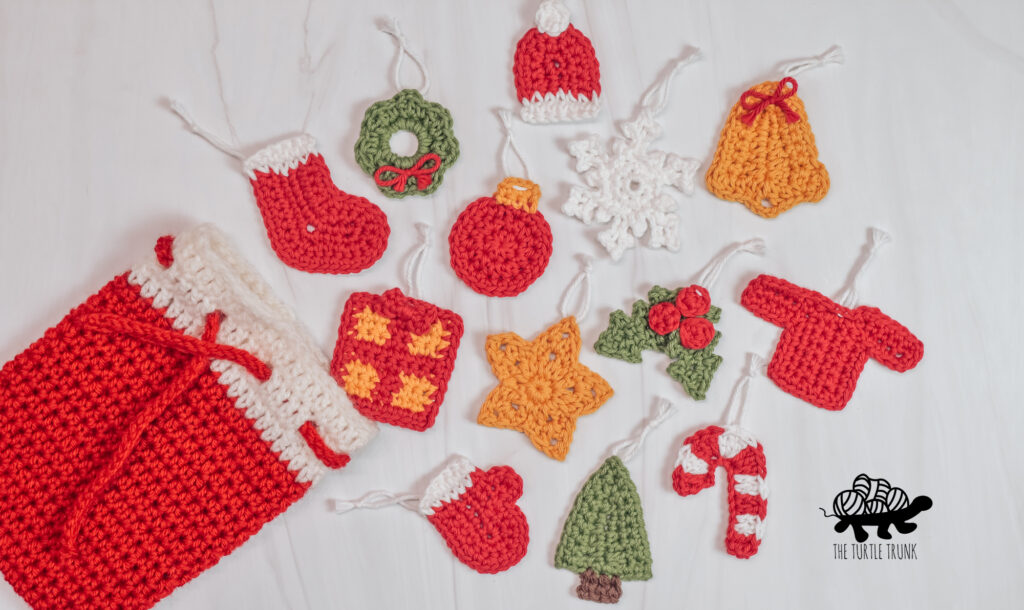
604,539
672,312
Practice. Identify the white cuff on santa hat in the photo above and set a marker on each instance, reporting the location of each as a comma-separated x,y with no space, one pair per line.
280,157
448,485
559,107
208,275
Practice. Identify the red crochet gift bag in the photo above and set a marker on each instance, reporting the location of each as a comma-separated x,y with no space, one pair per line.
158,426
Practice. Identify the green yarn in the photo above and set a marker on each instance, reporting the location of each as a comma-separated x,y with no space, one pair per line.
629,335
430,122
605,530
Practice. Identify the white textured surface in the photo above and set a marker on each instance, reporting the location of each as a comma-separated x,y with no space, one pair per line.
919,130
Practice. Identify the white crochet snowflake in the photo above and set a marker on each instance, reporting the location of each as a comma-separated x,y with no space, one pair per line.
627,187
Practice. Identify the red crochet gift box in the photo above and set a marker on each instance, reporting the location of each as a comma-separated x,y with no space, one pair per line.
158,426
395,355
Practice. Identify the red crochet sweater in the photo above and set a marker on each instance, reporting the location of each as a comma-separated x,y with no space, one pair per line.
824,345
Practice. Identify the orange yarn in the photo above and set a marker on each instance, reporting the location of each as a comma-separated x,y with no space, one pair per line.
542,386
771,164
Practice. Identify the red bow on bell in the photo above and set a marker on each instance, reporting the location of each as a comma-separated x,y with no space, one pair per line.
782,93
424,175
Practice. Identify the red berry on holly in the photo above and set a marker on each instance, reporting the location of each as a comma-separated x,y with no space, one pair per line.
693,301
663,318
696,333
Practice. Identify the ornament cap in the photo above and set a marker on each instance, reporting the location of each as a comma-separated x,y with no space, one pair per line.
518,193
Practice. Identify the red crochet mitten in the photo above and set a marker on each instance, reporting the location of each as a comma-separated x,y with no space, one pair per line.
312,224
394,356
476,513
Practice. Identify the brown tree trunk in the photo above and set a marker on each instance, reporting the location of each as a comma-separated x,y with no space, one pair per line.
599,587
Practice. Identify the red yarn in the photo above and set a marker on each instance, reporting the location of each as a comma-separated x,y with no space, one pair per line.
484,527
749,462
696,333
330,457
824,345
663,318
423,174
778,98
314,226
164,253
693,301
546,64
406,317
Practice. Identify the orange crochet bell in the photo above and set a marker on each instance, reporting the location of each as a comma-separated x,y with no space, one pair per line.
766,157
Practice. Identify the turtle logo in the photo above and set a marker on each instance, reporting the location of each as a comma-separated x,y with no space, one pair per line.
875,502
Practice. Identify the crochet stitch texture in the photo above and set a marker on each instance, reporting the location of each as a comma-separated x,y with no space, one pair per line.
766,157
157,427
418,174
475,511
823,346
312,224
604,538
394,356
542,387
678,323
557,75
500,245
743,458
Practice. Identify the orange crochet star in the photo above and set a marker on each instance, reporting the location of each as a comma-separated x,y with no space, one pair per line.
542,386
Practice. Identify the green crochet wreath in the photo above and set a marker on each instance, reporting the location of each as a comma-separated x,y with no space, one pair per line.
422,173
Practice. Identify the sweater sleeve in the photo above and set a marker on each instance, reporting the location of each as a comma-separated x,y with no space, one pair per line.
890,342
775,300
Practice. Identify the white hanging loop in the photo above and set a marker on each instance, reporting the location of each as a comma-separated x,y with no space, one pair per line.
403,49
179,109
656,98
580,284
377,499
832,56
626,449
876,239
709,275
552,17
511,146
738,399
415,261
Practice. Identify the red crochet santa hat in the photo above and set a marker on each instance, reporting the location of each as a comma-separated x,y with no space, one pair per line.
556,70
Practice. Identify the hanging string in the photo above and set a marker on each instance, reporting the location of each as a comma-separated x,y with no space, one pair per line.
626,449
510,145
832,56
876,239
415,261
656,97
179,109
580,284
403,49
709,275
377,499
738,399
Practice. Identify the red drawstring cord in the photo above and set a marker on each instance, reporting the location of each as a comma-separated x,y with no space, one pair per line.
782,93
203,350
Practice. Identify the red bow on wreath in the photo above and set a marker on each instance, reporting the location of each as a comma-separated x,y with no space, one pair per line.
782,93
685,315
424,175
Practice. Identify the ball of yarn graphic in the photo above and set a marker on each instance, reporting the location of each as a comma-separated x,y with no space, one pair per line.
896,499
875,507
871,489
848,502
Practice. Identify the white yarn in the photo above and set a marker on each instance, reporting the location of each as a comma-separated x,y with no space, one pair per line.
209,275
877,238
834,55
377,499
656,98
179,109
280,157
713,269
738,399
552,17
581,284
626,188
510,145
628,448
559,107
415,261
449,484
403,49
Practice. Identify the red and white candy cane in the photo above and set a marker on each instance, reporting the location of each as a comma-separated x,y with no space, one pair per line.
742,456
